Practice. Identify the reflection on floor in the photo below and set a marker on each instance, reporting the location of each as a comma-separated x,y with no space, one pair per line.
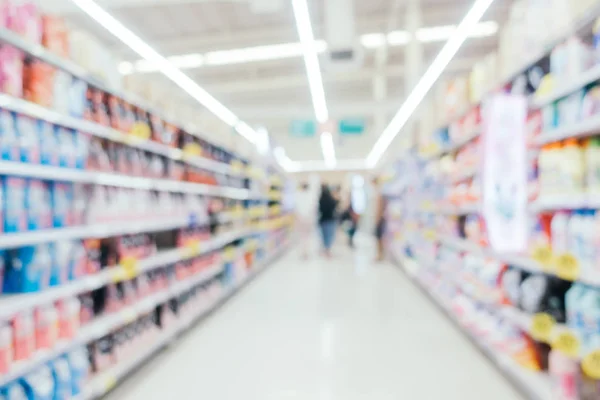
340,329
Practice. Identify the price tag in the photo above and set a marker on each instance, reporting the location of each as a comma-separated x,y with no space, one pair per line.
192,249
129,316
237,166
130,266
591,364
567,267
430,234
568,344
543,255
118,275
141,130
229,253
109,383
192,150
542,325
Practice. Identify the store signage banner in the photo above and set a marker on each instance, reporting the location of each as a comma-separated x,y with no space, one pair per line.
351,126
505,172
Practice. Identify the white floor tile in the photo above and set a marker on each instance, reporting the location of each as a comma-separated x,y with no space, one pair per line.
345,329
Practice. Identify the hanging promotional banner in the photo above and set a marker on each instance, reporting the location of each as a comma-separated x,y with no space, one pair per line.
504,174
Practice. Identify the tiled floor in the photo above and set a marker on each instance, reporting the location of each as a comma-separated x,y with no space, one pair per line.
345,329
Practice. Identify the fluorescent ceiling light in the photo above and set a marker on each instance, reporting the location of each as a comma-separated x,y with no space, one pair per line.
328,149
283,160
311,61
293,50
162,64
434,71
260,53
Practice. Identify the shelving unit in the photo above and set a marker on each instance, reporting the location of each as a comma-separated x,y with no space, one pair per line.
441,236
146,228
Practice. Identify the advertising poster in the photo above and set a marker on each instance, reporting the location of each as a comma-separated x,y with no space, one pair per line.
504,172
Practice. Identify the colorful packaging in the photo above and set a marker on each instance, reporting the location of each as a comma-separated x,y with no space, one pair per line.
23,336
82,144
66,147
29,141
38,82
79,364
9,141
11,71
48,143
6,350
28,269
61,373
39,385
15,217
68,317
55,35
61,195
14,391
46,327
77,97
25,20
38,205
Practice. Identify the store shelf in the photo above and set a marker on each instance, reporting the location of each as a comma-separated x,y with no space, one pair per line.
465,173
459,210
588,127
568,201
534,386
11,305
106,324
36,111
46,172
590,76
457,145
105,382
38,51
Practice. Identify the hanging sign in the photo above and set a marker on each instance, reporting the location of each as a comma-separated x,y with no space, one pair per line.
504,177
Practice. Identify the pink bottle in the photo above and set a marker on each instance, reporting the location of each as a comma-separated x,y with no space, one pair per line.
564,372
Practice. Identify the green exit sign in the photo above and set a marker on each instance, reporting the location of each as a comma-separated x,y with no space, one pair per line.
303,128
351,126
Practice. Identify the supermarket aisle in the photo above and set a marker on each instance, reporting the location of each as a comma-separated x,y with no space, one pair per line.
341,330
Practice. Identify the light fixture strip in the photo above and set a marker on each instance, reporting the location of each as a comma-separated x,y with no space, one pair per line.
328,149
163,65
428,79
311,61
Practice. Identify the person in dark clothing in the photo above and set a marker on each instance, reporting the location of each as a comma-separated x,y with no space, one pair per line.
327,218
352,218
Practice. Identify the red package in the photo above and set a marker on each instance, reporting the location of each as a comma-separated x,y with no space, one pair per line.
68,317
23,336
6,353
46,327
55,36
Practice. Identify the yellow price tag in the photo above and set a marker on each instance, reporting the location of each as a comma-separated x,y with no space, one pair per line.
542,325
543,255
141,130
229,253
192,249
237,166
130,265
118,274
568,344
591,364
430,234
192,150
109,383
567,267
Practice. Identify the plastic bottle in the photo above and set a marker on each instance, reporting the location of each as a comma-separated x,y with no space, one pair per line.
573,166
592,161
559,225
564,376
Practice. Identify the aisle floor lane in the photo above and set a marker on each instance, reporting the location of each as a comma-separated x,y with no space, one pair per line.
345,329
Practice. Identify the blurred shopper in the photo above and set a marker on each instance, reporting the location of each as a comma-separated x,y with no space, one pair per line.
349,219
327,218
306,211
379,219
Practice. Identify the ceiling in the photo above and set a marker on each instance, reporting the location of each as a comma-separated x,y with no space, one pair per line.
272,93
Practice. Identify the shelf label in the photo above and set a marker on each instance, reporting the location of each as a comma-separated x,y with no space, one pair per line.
568,344
118,274
141,130
109,383
130,266
542,325
567,267
192,249
543,255
591,364
430,234
229,253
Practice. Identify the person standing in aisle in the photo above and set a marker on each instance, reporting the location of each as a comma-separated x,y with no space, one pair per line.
379,219
352,217
306,210
327,218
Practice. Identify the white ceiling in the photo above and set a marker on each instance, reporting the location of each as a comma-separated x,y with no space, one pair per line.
272,93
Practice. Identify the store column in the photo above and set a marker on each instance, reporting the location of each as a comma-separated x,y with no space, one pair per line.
414,67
